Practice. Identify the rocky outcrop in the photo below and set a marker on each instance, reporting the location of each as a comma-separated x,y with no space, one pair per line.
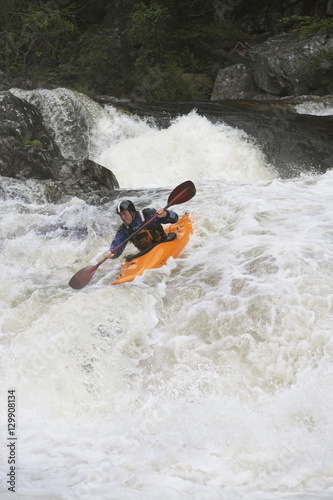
279,65
275,68
271,65
28,151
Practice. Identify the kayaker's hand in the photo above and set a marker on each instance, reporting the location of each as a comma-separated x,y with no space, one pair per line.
161,212
109,254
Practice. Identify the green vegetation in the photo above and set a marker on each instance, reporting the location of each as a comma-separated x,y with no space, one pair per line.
35,38
308,26
147,48
27,142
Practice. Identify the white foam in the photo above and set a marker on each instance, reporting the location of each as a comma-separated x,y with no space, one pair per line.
210,378
192,147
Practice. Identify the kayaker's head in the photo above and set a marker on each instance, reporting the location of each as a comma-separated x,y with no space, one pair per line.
127,212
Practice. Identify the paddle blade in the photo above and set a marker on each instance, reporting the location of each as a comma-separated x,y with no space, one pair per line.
82,277
182,193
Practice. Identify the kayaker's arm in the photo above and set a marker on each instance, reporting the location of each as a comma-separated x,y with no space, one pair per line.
164,217
167,216
121,235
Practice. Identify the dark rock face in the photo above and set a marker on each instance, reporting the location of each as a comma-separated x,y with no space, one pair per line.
275,68
20,121
292,143
27,151
273,65
278,65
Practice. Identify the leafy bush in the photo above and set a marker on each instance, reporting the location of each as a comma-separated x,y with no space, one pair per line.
34,37
308,26
96,64
168,83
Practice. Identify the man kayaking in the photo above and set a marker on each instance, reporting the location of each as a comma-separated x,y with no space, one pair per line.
132,219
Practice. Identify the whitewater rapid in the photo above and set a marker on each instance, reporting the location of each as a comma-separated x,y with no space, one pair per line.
208,379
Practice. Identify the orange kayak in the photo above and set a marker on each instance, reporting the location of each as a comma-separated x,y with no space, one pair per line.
158,255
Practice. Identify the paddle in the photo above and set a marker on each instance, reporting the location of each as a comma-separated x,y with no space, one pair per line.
180,194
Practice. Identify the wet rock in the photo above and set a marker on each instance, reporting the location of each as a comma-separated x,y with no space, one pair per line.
28,151
20,125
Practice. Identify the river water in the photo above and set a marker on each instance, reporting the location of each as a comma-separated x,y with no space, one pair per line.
208,379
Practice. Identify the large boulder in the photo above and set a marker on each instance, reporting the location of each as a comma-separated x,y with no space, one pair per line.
28,151
234,82
279,65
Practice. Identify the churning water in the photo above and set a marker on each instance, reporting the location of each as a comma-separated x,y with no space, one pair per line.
208,379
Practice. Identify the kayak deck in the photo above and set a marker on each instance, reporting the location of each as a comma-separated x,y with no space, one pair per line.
158,255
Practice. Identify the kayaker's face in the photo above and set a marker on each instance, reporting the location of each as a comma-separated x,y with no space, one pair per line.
126,217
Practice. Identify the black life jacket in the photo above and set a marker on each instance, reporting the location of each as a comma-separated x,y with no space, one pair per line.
149,235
